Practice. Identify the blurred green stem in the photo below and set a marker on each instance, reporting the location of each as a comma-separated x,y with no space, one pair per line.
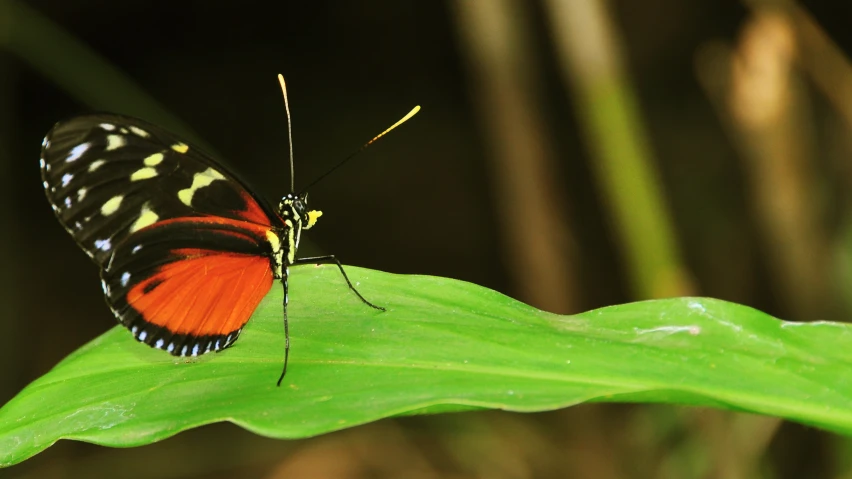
587,48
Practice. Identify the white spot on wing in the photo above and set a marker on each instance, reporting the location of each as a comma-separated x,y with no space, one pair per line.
171,347
107,126
81,193
41,163
66,178
125,278
143,335
136,249
103,245
77,151
67,201
159,344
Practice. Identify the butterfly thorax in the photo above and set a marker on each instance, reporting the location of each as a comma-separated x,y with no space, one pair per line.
293,210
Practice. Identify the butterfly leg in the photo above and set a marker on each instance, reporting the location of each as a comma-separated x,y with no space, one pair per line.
333,259
285,282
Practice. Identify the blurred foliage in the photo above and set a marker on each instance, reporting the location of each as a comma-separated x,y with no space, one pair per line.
744,107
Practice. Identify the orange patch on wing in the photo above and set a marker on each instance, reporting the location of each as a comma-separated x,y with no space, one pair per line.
206,293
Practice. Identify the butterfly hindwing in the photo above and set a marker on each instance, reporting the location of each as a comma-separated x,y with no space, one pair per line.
188,286
108,176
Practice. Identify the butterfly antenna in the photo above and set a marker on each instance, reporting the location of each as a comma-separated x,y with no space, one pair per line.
289,132
365,145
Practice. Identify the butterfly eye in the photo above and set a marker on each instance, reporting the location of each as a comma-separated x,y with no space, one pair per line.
300,207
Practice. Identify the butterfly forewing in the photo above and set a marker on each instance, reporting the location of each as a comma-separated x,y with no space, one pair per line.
184,249
108,176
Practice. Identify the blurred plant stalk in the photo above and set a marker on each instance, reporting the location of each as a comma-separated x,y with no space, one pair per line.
588,49
831,72
536,239
764,106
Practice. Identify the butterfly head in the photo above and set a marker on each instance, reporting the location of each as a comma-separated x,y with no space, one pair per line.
295,208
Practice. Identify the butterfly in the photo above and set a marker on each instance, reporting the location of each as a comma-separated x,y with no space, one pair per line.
186,249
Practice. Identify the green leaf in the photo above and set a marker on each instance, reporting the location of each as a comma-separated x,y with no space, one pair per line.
443,345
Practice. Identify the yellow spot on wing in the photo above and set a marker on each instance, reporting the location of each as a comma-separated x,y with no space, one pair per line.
115,142
143,174
154,159
112,205
180,147
200,180
146,218
96,164
185,196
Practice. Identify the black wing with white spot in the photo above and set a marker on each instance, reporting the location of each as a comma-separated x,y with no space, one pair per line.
109,176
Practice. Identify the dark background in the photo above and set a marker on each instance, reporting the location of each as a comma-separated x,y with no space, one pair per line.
430,198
